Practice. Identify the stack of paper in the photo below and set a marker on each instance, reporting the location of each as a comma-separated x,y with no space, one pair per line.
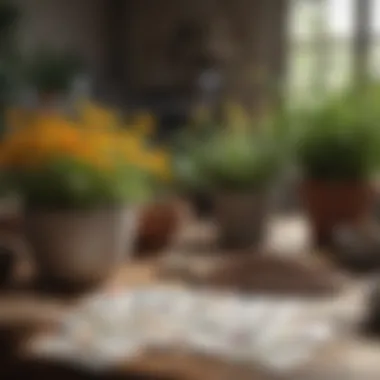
279,334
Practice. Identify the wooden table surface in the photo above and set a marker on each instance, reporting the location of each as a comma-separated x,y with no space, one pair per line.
26,313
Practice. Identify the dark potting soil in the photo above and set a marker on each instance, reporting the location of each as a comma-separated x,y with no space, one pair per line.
268,275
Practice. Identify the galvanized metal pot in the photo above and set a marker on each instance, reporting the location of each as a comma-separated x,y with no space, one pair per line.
79,247
241,219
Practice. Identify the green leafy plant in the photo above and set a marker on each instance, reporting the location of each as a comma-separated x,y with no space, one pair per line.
338,140
239,157
70,183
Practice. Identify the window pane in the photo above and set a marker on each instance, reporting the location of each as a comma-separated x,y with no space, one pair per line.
375,17
302,19
340,18
321,56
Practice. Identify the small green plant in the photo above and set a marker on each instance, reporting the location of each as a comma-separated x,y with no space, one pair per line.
68,183
51,72
233,156
338,140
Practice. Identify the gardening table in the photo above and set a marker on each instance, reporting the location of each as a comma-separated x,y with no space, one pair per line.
25,315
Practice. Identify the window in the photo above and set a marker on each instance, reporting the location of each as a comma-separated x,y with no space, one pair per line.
322,45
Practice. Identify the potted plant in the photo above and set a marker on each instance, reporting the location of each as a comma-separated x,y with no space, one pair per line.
336,152
236,163
80,191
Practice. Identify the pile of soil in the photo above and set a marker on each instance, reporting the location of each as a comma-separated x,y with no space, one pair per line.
266,274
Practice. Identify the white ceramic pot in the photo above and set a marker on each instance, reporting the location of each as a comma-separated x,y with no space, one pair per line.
241,219
80,247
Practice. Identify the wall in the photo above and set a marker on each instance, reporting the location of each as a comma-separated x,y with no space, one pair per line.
64,24
244,40
165,44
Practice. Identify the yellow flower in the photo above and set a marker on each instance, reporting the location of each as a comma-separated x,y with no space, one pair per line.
44,137
144,124
96,117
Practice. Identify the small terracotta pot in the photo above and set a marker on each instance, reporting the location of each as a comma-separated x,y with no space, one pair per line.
241,219
332,204
157,226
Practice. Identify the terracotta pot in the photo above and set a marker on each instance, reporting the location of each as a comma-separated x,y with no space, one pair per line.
79,248
332,204
241,219
157,226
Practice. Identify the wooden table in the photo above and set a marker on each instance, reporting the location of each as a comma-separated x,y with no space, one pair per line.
27,315
24,314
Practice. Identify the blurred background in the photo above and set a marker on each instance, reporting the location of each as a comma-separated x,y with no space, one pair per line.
168,56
